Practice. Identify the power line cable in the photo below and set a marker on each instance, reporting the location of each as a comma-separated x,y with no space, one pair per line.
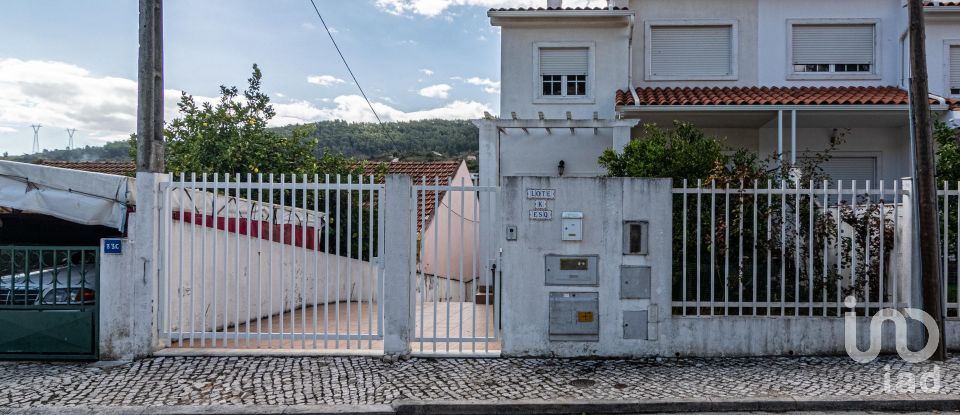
345,61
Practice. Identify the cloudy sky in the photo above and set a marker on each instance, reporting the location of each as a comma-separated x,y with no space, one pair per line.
73,64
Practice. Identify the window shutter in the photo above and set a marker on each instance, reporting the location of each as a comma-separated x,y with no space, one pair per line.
955,67
860,169
691,50
564,61
833,44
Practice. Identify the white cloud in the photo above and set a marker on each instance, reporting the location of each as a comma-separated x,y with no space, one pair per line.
324,80
426,72
59,95
432,8
489,86
308,26
354,108
441,91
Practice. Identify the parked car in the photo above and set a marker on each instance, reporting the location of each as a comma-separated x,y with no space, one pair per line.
73,281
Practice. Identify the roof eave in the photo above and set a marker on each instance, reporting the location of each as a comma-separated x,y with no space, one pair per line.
558,13
941,9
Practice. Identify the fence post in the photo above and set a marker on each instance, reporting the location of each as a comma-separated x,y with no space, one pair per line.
398,264
908,273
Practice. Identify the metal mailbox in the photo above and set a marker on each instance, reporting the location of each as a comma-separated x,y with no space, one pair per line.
574,316
572,270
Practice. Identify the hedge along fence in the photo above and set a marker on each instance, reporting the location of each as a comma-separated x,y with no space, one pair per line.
767,237
785,248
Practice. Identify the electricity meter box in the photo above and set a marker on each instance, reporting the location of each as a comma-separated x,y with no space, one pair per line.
574,316
572,270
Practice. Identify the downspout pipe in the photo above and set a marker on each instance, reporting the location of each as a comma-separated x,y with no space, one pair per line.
630,86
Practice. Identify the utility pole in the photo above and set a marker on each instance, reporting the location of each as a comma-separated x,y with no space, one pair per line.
70,132
150,157
36,138
926,188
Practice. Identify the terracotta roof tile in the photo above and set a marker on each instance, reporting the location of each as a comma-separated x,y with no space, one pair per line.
119,168
441,172
851,95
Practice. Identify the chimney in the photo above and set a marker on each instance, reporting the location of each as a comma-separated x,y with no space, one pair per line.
554,4
620,4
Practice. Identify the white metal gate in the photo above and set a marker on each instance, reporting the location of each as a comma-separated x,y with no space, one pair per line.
271,262
456,302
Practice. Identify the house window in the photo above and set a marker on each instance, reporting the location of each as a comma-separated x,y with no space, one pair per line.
564,71
834,48
955,70
691,52
847,168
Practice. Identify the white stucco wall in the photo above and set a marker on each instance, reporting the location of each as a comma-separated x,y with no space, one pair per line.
450,240
605,204
539,154
520,80
743,12
772,43
941,32
263,276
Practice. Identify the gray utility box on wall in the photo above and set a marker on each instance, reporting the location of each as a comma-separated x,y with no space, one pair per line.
574,316
635,325
572,270
634,283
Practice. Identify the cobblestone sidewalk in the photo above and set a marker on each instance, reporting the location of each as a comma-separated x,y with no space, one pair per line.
366,381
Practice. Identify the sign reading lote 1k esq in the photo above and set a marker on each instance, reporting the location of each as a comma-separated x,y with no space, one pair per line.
541,209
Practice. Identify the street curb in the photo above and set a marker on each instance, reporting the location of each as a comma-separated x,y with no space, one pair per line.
544,407
914,403
207,409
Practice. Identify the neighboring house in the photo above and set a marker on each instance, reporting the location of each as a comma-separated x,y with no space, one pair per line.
773,76
442,215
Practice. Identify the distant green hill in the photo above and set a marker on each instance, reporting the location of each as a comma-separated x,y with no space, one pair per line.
413,140
115,151
416,140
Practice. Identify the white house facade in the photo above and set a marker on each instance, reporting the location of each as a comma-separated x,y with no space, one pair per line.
777,77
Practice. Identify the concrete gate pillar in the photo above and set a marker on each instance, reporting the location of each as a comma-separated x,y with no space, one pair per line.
128,288
399,263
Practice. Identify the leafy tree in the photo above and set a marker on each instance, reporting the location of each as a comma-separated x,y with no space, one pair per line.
948,152
231,136
683,152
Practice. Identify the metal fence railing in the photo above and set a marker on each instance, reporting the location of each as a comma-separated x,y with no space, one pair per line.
272,262
38,277
456,302
785,248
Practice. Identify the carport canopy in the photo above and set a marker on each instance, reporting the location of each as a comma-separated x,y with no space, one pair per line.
82,197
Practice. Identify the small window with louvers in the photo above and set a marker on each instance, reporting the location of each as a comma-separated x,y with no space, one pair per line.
834,48
563,71
955,70
564,61
691,51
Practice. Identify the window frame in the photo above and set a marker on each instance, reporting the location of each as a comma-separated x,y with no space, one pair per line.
648,26
874,74
947,46
589,98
